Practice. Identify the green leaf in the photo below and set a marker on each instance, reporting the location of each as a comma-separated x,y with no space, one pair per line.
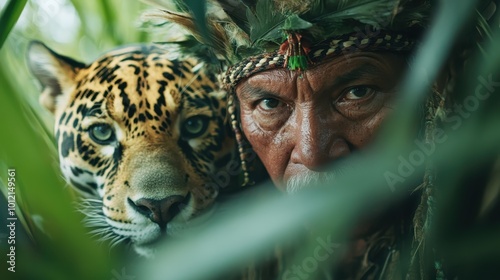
40,194
373,12
9,17
111,20
294,22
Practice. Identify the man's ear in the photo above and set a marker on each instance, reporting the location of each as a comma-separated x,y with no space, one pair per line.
55,72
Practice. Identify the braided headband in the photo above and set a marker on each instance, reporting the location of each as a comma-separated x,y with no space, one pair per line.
349,43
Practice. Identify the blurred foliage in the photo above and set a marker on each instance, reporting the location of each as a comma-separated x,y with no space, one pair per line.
57,247
9,17
51,242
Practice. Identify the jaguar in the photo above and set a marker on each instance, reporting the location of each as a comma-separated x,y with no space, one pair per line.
141,133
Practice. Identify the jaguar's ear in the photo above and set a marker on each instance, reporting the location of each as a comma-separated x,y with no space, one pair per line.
55,72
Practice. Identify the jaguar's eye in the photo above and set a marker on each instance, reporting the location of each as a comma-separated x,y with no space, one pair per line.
102,134
194,127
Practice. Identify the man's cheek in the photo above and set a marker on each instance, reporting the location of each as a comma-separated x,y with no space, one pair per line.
365,131
273,167
262,145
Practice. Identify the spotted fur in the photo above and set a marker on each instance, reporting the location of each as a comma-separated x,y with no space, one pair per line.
152,173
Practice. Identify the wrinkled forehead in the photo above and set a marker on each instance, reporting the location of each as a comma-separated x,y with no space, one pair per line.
335,72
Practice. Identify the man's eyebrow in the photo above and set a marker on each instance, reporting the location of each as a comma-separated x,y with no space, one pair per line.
249,92
356,74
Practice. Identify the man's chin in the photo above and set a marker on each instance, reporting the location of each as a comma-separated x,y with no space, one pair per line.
294,187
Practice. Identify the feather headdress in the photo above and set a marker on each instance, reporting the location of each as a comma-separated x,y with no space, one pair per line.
237,29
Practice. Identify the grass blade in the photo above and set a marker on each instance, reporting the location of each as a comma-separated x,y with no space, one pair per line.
9,17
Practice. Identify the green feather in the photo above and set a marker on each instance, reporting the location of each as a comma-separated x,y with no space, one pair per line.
297,62
345,15
198,10
248,27
324,19
265,22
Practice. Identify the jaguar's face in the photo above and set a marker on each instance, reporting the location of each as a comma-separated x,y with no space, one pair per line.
140,132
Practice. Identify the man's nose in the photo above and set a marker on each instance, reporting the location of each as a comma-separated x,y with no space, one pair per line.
317,142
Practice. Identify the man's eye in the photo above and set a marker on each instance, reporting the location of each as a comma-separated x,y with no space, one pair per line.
269,103
360,101
358,93
270,113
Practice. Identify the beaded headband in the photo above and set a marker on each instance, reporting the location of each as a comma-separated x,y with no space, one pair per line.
345,44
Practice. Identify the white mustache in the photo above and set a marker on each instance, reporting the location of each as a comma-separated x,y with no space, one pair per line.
305,179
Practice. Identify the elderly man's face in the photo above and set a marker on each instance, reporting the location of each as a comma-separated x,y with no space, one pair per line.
297,122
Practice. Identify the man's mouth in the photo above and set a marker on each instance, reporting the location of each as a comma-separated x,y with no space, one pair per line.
307,178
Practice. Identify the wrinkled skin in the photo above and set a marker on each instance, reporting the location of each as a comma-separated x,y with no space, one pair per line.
297,122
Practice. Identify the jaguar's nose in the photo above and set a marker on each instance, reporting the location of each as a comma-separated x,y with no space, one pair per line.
159,211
